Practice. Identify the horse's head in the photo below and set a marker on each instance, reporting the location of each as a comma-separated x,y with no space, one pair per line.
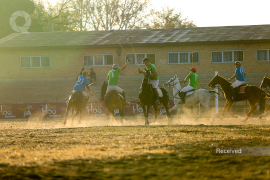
265,82
214,81
147,75
172,82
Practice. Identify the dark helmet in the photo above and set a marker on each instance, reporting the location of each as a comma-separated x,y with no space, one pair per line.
237,62
145,60
84,73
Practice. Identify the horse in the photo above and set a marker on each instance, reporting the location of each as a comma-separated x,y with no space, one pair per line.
113,100
251,93
75,103
264,84
201,96
147,98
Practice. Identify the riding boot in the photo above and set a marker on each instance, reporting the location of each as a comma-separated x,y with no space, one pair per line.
85,102
157,102
125,101
182,97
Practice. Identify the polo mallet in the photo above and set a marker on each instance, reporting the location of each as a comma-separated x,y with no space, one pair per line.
118,41
192,57
99,103
133,50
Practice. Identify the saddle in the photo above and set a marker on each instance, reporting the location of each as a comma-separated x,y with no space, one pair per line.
160,94
241,89
113,91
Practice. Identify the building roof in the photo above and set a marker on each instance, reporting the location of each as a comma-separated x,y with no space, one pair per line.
144,37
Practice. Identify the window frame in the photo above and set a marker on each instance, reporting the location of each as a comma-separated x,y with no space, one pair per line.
189,57
31,63
232,56
145,55
268,55
94,59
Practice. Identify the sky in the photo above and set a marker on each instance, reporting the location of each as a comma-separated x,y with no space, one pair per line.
220,12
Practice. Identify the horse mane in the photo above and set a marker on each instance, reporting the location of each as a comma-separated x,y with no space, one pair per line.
224,79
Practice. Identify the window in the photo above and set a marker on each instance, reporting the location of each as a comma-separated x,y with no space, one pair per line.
227,56
183,57
35,61
98,60
140,57
263,55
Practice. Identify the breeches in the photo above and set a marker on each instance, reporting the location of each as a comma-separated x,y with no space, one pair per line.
84,93
237,83
118,89
155,83
187,88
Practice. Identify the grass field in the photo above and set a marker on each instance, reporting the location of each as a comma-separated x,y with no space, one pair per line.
99,149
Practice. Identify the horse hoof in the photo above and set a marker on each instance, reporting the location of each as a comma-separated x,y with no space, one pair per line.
235,116
221,117
260,117
246,118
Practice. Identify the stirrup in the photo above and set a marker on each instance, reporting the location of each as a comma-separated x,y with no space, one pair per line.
157,102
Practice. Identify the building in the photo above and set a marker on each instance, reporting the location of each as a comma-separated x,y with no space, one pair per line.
43,67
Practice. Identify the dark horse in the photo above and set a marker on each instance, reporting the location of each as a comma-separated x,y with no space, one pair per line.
114,101
75,102
251,93
147,99
264,84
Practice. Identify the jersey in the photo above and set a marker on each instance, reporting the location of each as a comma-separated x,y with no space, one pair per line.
193,80
113,77
240,74
81,82
153,69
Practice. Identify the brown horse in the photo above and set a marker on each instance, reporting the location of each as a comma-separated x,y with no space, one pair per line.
264,84
251,93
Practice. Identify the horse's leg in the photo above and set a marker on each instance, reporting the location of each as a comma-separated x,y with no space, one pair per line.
251,110
167,111
80,115
229,109
264,113
224,109
66,114
156,113
121,112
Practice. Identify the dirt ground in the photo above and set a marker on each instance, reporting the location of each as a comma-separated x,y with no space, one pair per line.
100,149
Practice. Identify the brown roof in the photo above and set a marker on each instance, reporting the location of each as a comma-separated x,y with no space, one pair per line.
145,37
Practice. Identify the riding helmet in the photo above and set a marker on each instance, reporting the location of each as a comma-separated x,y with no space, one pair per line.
115,66
193,69
237,62
84,73
145,60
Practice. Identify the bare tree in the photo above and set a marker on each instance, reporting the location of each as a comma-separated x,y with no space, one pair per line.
167,18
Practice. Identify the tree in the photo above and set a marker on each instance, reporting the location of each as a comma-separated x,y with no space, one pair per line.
167,18
51,18
7,8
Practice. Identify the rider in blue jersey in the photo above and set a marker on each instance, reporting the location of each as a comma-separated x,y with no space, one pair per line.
239,76
81,83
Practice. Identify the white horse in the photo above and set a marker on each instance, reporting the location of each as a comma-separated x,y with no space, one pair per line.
201,96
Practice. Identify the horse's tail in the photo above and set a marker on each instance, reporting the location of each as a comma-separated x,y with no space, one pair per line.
165,94
212,91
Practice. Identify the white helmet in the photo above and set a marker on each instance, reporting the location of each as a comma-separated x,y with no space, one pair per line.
115,66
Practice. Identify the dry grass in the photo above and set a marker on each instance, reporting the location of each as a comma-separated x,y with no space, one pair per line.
46,149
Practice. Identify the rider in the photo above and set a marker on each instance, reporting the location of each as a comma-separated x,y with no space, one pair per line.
193,83
155,80
239,76
113,80
81,83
